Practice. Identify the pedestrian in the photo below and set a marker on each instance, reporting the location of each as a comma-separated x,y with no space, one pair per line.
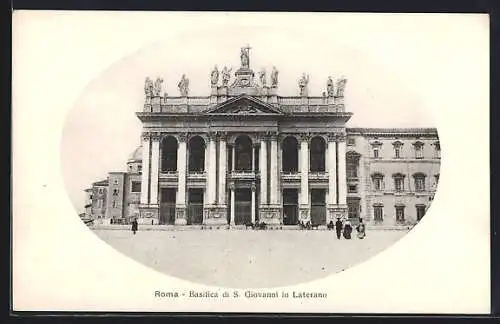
338,227
347,230
134,225
361,229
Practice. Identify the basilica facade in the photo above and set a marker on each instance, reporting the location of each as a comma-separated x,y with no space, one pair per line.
244,155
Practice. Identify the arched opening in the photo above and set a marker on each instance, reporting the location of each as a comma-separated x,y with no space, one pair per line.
196,146
243,153
169,154
317,155
290,161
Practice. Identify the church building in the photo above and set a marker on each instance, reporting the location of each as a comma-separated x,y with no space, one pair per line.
244,154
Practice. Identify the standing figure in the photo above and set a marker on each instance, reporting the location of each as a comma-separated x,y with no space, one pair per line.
226,75
214,76
303,82
184,86
245,56
274,78
338,228
340,85
329,87
157,87
135,225
262,77
148,87
347,230
361,229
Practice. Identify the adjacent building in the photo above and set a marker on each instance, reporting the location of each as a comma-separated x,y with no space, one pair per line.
244,154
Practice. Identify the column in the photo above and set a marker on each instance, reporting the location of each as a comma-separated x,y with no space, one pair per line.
211,180
181,171
222,169
232,188
253,202
342,179
304,171
145,169
263,171
332,170
254,151
155,168
233,157
274,170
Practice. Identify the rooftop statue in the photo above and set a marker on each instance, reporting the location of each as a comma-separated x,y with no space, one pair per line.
303,82
214,76
184,86
158,86
148,87
245,56
329,87
274,78
226,76
340,85
262,77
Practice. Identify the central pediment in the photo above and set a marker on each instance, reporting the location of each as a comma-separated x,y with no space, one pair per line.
243,105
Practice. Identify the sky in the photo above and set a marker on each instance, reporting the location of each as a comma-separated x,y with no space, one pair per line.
101,129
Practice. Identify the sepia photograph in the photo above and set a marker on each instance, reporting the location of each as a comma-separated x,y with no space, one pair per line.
238,156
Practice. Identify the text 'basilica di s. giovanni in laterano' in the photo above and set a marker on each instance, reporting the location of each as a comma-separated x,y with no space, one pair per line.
244,154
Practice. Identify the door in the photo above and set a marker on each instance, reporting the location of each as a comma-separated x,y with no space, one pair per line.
242,206
318,207
290,206
167,206
195,206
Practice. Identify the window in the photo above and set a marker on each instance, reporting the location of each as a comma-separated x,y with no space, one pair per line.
115,192
139,168
419,149
352,164
436,180
398,182
400,214
420,211
378,213
437,149
376,149
100,190
378,181
352,189
115,181
419,181
397,149
351,141
136,186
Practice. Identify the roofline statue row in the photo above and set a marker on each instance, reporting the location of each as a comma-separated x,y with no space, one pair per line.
245,80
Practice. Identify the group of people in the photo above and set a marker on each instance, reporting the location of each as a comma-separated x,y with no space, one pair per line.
345,229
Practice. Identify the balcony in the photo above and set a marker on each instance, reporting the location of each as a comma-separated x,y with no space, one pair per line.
243,174
168,175
197,175
318,175
290,175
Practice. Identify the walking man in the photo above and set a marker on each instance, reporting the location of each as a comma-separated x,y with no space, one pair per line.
338,228
134,225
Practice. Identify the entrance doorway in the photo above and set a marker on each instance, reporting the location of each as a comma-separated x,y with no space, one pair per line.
167,206
290,206
353,204
195,206
318,206
242,206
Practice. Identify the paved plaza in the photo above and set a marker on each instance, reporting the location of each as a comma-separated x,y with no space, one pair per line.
247,258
